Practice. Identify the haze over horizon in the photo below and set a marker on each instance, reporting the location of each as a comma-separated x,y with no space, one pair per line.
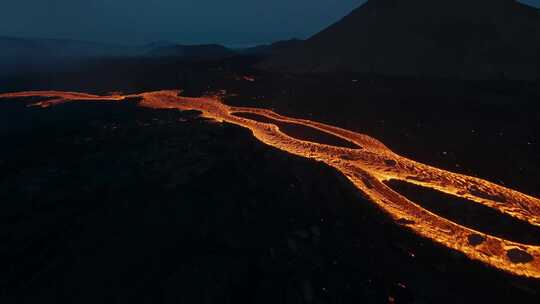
233,23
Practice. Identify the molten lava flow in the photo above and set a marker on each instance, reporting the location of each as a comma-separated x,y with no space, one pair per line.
368,168
61,97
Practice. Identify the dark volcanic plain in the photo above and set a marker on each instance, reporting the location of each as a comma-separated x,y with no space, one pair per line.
110,202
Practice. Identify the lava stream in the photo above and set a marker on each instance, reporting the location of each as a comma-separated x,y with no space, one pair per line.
368,168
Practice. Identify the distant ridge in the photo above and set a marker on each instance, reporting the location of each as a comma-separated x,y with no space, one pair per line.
17,54
472,39
22,55
203,51
271,49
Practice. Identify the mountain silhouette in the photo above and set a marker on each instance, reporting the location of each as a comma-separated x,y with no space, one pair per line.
471,39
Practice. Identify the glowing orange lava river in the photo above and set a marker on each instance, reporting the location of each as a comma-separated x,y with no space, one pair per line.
368,167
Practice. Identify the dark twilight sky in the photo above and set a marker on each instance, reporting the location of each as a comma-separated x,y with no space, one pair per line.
231,22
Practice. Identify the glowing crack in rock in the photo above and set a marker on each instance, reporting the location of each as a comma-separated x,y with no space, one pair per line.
368,167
